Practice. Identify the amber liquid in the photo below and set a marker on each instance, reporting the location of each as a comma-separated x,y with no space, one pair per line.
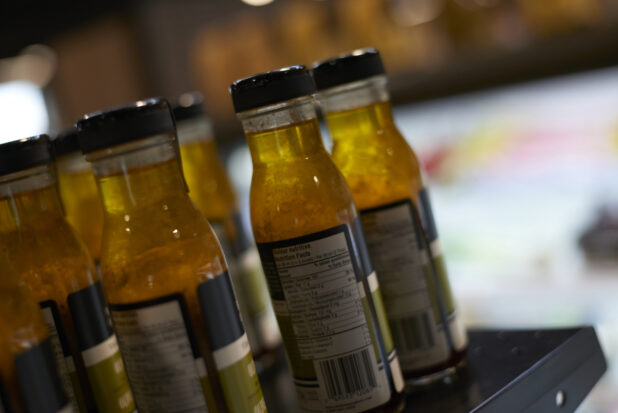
211,190
209,186
82,206
53,263
21,328
381,168
297,190
156,243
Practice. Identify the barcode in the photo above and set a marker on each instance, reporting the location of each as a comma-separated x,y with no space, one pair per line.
350,375
413,333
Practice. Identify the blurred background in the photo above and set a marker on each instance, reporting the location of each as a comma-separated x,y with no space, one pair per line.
512,105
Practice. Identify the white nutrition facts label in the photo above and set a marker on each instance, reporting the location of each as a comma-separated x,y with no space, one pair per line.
393,245
322,296
319,281
161,362
393,242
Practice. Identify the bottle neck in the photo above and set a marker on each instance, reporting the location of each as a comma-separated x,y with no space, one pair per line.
72,163
29,197
357,110
194,130
138,174
284,132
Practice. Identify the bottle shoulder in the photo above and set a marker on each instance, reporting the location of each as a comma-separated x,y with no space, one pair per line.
157,250
296,198
51,258
385,171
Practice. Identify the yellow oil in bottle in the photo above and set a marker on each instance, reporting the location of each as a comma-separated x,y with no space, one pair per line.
326,298
45,252
211,190
23,337
78,192
386,181
160,261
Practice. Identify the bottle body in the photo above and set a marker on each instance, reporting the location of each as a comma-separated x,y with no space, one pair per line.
386,181
169,290
211,191
28,379
44,250
326,298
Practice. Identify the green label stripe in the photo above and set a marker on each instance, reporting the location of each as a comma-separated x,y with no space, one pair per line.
254,283
380,313
392,358
206,387
108,378
241,386
255,292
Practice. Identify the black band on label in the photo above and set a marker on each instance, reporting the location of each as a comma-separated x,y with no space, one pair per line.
362,253
90,316
426,213
38,380
161,300
221,316
62,336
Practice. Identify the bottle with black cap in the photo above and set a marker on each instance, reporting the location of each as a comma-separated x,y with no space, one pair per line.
44,250
210,189
171,298
78,191
325,295
29,380
386,181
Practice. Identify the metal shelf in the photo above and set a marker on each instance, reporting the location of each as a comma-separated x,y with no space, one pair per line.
508,371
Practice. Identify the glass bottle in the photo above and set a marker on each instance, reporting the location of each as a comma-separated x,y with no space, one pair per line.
386,181
325,295
170,295
29,381
211,191
45,251
78,191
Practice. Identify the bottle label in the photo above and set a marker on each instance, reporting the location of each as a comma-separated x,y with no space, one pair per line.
230,345
378,305
38,380
61,351
161,355
100,352
440,283
255,291
313,282
394,243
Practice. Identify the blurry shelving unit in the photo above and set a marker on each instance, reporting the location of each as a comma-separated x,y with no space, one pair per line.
474,71
511,105
507,371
